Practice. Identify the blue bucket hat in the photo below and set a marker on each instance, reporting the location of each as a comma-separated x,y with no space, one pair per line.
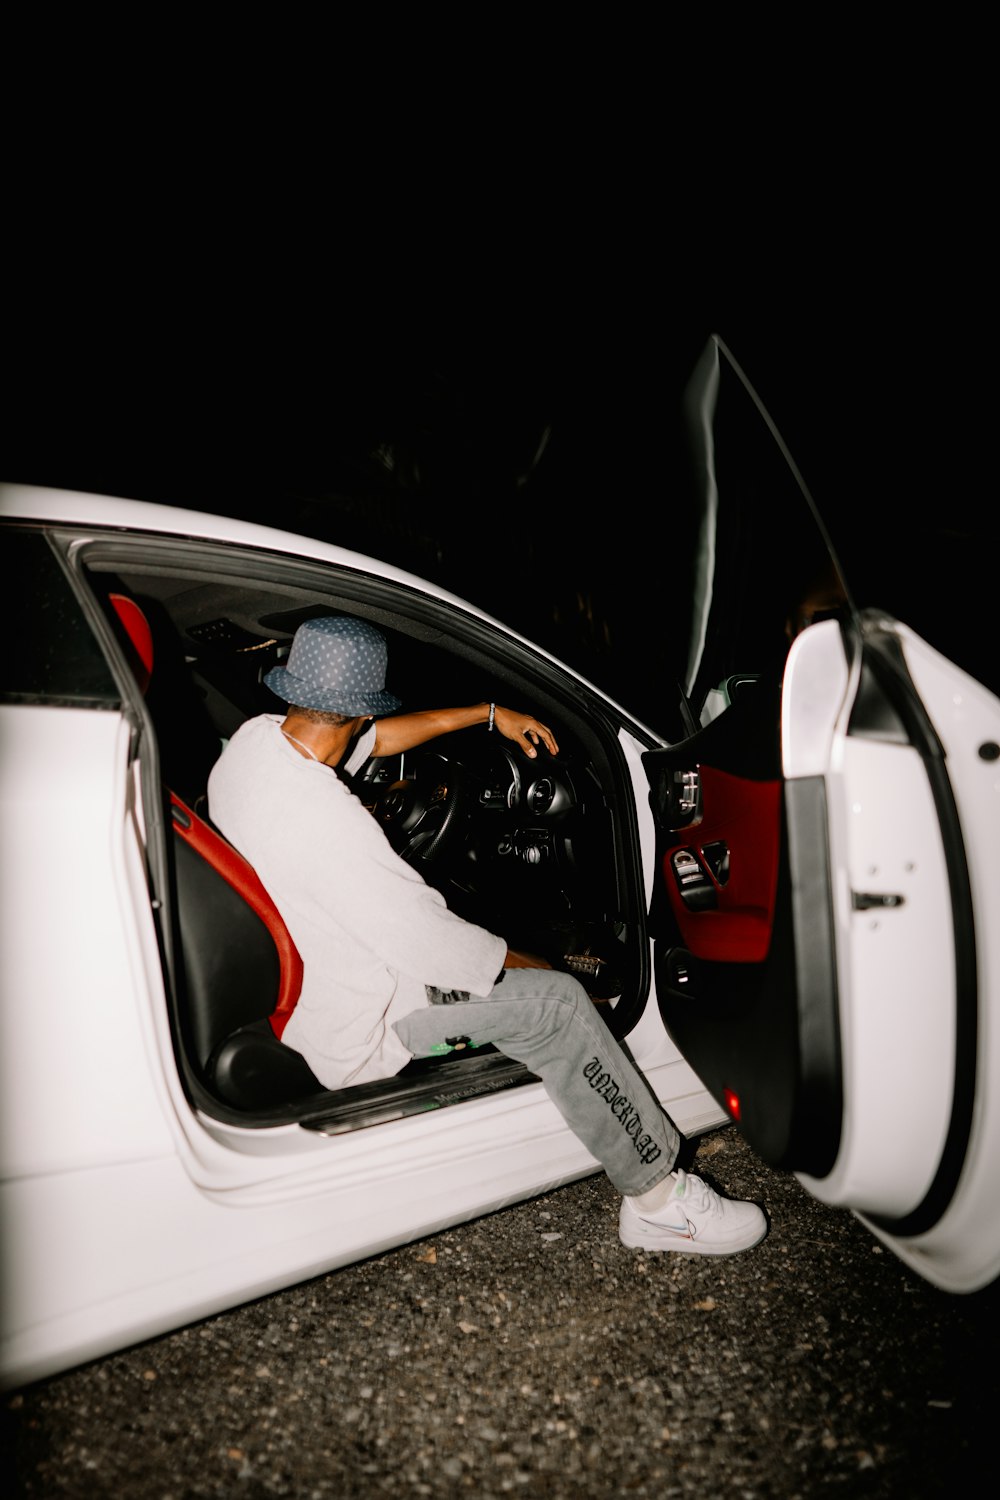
336,665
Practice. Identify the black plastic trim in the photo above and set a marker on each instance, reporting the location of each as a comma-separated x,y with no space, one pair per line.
57,660
821,1092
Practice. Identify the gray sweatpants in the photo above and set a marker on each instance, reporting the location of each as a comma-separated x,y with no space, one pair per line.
546,1020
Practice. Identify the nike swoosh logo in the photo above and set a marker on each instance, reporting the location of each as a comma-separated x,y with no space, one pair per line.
682,1231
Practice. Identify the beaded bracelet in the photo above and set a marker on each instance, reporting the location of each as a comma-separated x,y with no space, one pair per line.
493,711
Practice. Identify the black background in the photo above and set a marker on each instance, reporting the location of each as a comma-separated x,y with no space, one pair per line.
257,324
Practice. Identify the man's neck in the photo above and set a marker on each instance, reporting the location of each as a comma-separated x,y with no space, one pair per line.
326,743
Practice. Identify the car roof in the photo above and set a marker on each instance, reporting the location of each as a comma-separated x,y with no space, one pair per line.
77,507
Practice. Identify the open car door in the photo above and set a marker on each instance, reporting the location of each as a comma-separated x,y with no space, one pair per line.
829,864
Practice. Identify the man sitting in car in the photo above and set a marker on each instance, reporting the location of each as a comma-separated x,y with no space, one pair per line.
390,973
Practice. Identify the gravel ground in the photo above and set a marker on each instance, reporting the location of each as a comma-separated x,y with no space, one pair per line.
531,1354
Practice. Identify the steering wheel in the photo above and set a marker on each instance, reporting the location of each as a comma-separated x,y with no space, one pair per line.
422,816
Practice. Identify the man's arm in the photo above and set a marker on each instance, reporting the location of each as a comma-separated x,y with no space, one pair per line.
402,732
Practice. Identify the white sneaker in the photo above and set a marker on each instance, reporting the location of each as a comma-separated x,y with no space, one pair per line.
694,1220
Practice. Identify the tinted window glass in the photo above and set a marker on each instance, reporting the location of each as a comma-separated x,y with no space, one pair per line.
55,658
762,566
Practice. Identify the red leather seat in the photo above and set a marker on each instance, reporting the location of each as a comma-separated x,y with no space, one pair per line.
210,846
239,972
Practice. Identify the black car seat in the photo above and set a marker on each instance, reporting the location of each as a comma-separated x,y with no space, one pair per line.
239,972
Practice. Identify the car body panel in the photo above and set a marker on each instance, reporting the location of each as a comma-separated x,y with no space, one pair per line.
924,1072
885,843
70,966
127,1210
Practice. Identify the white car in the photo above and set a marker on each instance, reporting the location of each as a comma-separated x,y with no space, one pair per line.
782,902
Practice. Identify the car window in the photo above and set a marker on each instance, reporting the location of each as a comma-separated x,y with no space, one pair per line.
58,659
762,567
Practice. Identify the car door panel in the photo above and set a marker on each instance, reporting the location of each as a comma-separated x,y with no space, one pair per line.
722,879
835,990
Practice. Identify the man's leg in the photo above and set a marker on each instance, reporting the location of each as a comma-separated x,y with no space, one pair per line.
546,1020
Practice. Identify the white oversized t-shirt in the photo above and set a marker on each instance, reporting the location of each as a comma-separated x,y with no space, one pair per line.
371,932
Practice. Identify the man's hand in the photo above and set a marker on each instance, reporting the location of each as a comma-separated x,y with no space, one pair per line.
525,730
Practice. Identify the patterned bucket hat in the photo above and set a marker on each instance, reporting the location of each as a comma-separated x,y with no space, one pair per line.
336,664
